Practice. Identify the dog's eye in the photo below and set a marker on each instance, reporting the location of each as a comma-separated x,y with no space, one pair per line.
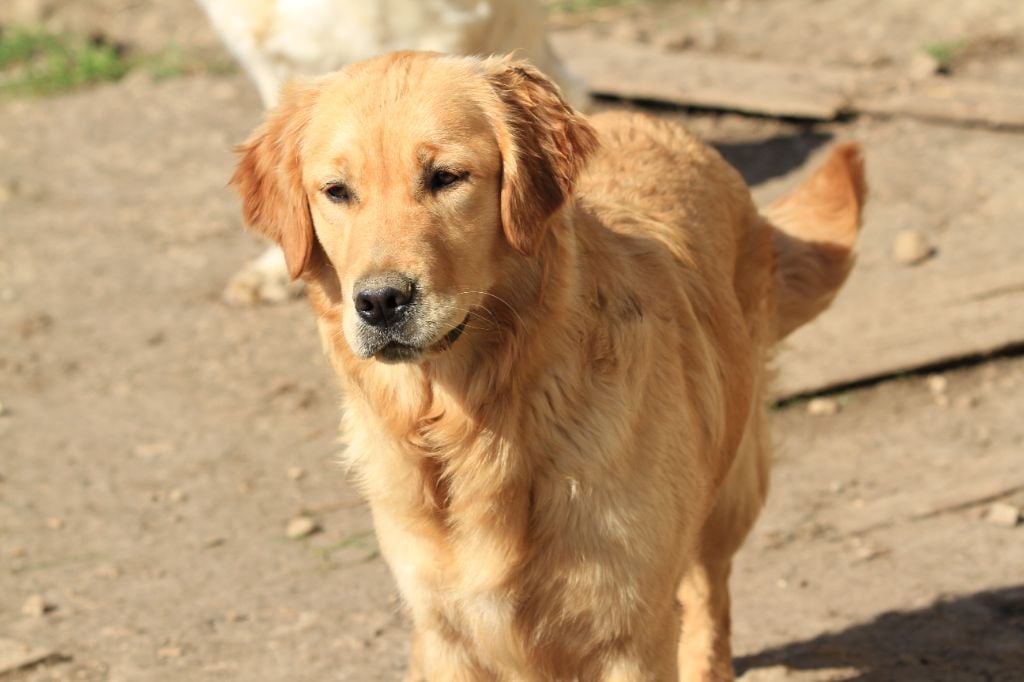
444,178
338,192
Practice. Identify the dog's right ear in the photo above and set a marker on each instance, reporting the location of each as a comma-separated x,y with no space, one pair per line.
269,177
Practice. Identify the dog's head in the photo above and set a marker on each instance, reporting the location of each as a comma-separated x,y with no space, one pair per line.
409,179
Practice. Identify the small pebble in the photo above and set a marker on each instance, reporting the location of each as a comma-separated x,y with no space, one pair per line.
1003,514
36,606
3,409
911,248
300,527
823,406
870,553
54,523
296,473
937,384
169,652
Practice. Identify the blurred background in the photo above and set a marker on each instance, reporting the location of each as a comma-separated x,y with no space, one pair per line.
171,506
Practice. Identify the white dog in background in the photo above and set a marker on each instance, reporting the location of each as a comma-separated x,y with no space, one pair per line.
277,39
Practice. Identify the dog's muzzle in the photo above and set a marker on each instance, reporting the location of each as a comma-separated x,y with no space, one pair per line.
395,351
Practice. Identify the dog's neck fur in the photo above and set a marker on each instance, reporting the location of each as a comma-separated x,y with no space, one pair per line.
457,409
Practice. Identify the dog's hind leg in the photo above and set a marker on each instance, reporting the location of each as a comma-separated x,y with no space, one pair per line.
704,652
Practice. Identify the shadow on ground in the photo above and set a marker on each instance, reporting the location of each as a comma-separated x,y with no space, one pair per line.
939,642
763,160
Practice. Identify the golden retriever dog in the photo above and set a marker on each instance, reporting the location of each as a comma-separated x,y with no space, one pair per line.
276,40
551,333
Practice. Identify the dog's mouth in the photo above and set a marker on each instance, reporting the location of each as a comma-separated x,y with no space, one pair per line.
396,351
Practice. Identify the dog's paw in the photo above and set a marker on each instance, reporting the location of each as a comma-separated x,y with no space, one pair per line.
263,280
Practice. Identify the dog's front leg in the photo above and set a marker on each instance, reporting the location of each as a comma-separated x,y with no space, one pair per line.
437,658
415,673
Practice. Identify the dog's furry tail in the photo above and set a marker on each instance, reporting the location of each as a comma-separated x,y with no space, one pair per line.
815,233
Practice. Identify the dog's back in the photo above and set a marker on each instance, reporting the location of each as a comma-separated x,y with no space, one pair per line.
653,179
801,248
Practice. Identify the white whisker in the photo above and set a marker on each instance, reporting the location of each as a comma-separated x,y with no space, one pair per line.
501,300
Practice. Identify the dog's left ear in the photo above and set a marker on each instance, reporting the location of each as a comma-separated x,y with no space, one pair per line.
544,145
269,178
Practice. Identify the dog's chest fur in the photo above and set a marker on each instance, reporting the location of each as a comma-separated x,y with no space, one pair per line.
466,516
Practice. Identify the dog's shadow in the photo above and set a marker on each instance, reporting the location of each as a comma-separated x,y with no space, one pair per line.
972,637
762,160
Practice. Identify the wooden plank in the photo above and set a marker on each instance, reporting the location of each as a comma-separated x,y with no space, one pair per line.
967,300
703,80
16,656
760,86
978,481
853,342
948,99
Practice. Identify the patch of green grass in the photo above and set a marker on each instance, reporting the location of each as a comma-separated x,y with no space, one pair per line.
171,63
36,62
944,54
19,45
174,62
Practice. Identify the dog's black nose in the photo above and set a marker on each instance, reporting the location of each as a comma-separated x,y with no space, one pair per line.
383,306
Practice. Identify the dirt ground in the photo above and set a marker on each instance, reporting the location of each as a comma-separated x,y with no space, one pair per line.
155,442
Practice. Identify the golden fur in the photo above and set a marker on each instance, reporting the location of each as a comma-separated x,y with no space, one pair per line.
275,40
549,488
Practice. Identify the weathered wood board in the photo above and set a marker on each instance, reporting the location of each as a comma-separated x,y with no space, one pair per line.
16,656
947,99
760,86
968,299
711,81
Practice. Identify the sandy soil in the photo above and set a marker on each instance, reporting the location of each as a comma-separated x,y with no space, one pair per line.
155,443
